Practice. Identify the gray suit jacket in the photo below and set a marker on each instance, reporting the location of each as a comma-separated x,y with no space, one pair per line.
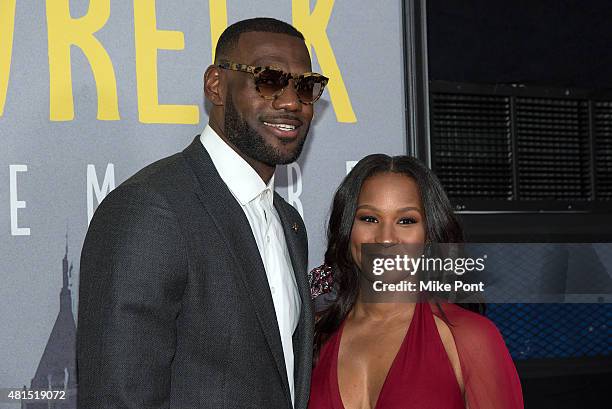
175,310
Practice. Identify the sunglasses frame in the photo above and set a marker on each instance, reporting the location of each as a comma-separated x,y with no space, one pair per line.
256,72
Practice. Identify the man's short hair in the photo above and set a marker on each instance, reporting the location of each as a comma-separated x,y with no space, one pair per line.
228,40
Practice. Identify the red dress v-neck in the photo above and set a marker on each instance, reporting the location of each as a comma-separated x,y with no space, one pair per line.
420,377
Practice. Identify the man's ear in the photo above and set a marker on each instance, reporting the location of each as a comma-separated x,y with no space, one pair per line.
213,85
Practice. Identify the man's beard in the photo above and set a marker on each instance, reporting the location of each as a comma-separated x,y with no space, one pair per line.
250,143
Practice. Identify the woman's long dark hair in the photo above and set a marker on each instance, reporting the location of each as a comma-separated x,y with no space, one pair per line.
441,226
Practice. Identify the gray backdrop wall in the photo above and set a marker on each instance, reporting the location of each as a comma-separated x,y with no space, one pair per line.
86,95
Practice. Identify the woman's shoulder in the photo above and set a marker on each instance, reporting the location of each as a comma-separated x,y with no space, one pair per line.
469,325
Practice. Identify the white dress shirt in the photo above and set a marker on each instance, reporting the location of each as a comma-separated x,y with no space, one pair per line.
255,198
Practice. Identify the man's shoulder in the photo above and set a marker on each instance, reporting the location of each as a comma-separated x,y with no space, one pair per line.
170,173
160,181
159,171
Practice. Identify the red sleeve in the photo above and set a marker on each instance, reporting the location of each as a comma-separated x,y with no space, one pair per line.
489,375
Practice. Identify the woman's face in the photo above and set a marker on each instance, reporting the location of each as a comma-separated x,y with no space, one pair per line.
389,210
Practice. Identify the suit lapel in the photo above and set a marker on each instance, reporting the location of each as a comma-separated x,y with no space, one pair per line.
302,340
235,229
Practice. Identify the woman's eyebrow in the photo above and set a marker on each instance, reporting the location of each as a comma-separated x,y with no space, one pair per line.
366,206
403,209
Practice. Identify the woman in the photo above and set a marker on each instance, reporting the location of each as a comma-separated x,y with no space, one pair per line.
396,354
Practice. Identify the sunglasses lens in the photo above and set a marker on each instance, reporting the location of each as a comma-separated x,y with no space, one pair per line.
270,82
309,88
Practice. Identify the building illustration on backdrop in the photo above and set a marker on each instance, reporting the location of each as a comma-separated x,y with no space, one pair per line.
57,367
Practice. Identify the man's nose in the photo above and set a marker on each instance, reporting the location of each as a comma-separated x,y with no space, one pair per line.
288,99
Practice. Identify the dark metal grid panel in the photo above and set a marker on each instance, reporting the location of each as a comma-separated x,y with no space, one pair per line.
553,153
554,330
603,149
471,145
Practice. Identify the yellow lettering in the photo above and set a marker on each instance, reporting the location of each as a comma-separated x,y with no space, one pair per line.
63,32
218,21
313,26
148,40
7,25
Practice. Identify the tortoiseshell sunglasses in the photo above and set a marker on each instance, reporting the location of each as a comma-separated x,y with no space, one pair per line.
270,82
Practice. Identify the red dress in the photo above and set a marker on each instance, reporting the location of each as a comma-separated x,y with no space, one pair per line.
421,375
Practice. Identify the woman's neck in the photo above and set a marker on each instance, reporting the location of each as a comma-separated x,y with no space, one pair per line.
377,311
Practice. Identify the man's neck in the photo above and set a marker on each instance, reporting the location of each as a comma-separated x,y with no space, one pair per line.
264,171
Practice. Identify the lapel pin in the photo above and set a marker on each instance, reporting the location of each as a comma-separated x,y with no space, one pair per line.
295,227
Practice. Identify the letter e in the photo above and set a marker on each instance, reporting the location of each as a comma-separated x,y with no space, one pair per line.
15,203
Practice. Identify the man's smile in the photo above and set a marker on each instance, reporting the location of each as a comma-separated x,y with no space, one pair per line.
283,127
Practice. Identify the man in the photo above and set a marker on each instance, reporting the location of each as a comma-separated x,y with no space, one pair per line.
193,289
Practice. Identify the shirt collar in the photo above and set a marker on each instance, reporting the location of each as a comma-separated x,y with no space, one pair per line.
240,178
